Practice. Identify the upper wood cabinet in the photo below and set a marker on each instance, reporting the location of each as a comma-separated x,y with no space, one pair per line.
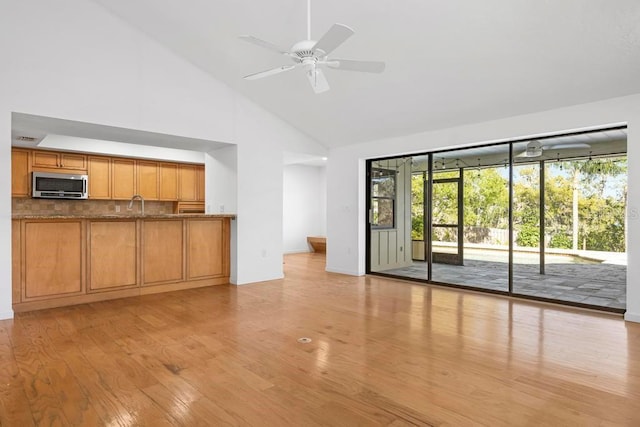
148,179
123,179
58,160
112,178
99,170
20,173
200,182
168,181
187,182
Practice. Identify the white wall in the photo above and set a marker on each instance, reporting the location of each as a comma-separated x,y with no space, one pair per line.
62,142
78,62
304,206
346,184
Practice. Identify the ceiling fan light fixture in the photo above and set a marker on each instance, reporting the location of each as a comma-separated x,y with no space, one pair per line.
534,149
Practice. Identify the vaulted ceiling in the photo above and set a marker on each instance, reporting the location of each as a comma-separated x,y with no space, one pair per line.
447,62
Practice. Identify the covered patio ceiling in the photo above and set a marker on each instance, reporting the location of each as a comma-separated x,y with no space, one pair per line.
610,142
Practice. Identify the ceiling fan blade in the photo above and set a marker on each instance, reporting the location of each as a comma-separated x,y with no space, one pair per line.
270,72
318,80
567,146
263,43
349,65
333,38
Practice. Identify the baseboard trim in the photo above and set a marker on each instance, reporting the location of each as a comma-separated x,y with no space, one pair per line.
339,271
632,317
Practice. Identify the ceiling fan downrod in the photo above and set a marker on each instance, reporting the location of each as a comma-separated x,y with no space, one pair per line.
308,19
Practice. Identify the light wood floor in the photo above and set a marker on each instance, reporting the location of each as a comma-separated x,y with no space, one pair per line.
383,353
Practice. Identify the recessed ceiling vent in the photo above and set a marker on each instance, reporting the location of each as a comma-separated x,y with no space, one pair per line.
26,138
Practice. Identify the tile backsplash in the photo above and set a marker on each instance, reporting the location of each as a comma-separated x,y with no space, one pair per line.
29,206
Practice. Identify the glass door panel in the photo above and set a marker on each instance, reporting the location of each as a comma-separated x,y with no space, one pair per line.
445,241
528,226
390,216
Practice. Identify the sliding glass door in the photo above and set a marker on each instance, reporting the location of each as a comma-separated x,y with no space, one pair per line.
539,218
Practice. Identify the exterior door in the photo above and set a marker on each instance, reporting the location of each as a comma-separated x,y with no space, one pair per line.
447,222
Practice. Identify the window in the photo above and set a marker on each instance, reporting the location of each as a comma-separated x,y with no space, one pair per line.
383,195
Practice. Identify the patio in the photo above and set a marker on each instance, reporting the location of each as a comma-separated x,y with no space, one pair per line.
601,284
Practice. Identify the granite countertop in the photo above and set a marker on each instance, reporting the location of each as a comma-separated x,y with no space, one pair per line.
120,216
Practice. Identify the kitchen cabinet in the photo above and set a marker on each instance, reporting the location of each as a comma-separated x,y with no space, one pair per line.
123,178
206,245
187,183
112,255
20,173
52,258
188,207
200,182
112,178
16,261
148,179
99,171
168,181
49,160
73,260
162,247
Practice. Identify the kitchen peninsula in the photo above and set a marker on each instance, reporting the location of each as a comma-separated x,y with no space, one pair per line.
67,252
63,260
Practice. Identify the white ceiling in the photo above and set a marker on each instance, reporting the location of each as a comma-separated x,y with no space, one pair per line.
448,62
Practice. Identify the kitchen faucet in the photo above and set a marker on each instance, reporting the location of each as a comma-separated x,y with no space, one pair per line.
139,197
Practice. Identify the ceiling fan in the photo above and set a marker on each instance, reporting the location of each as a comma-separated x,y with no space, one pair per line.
313,55
535,148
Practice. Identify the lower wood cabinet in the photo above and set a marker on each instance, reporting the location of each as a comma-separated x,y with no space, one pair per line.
205,246
162,251
112,248
52,258
59,262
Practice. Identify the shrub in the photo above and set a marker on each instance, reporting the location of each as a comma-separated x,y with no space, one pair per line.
561,241
528,236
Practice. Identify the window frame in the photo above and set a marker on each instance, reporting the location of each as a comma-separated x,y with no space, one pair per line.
392,173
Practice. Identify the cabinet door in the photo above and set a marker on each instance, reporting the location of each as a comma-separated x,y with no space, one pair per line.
168,181
123,179
73,161
200,183
205,253
20,176
99,177
16,261
148,180
187,183
53,259
112,255
162,248
45,159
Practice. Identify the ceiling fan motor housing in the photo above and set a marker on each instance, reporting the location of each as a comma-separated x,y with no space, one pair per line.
304,49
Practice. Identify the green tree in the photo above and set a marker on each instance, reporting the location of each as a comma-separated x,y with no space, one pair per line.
486,198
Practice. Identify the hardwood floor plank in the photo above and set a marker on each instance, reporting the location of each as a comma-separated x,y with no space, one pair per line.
14,405
383,352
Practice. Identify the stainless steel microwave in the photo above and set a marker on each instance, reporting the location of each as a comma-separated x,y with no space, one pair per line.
47,185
